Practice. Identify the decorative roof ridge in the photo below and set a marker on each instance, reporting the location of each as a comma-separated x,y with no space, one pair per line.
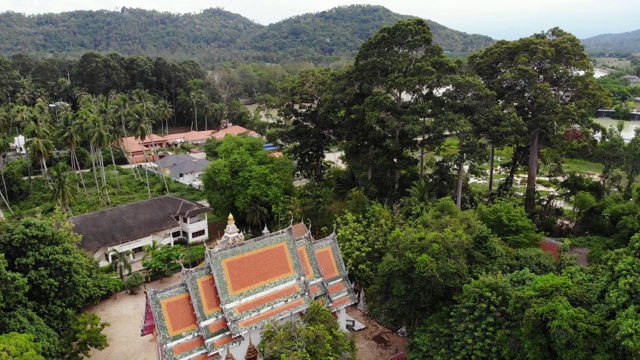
183,339
266,292
329,238
255,240
167,289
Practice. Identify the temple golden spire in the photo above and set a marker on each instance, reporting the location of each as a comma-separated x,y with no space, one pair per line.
230,219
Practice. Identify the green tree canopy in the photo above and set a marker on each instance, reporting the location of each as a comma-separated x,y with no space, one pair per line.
316,336
549,81
243,177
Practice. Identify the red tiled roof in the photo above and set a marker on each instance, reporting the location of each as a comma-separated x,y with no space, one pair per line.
234,130
179,314
341,301
551,248
209,294
188,345
314,289
258,267
327,263
218,325
288,291
223,341
336,288
274,312
299,230
304,259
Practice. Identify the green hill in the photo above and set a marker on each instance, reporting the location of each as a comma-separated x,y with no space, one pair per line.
623,43
211,36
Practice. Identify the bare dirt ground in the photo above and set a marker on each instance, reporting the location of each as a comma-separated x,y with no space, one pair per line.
125,313
375,342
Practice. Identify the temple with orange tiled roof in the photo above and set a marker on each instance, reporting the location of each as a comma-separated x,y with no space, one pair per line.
219,309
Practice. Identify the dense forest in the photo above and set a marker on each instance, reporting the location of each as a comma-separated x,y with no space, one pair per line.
211,36
624,43
453,174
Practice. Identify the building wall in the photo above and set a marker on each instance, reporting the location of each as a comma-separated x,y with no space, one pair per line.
164,237
195,224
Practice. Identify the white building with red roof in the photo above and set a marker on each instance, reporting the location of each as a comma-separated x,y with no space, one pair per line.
219,309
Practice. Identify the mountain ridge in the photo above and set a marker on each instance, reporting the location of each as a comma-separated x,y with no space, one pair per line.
211,36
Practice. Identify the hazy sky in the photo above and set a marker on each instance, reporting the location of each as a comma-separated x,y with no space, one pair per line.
500,19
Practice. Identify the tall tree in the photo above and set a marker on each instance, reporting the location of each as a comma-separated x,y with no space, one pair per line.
120,262
548,79
466,102
64,187
396,74
303,105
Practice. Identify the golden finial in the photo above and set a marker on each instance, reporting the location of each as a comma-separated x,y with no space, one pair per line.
230,220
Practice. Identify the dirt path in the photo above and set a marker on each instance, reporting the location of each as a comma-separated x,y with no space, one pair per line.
125,313
375,341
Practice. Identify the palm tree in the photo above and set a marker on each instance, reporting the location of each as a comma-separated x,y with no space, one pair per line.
22,116
96,132
256,213
152,249
108,112
39,147
4,147
195,97
68,131
165,111
123,111
147,111
64,187
120,262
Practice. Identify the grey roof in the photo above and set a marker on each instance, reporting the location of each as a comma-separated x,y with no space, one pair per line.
124,223
182,164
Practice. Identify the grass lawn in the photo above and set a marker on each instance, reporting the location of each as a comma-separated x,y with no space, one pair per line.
131,189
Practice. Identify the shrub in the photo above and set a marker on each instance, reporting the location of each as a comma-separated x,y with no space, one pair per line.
133,283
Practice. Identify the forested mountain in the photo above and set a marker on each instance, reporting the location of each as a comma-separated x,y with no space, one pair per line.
210,36
628,42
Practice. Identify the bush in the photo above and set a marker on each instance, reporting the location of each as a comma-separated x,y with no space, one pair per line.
133,283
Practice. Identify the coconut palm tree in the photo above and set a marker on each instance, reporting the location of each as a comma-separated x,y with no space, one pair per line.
4,147
38,133
108,112
22,116
68,131
120,262
195,97
64,187
151,250
165,112
123,111
146,112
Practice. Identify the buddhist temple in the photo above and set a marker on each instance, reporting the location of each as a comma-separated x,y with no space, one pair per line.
220,308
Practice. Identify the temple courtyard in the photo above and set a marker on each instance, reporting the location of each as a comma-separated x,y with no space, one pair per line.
125,313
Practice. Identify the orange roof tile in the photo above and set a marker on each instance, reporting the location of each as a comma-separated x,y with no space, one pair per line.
271,313
299,230
336,288
304,259
314,289
223,341
341,301
218,325
327,263
234,130
288,291
188,345
258,267
178,313
209,294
